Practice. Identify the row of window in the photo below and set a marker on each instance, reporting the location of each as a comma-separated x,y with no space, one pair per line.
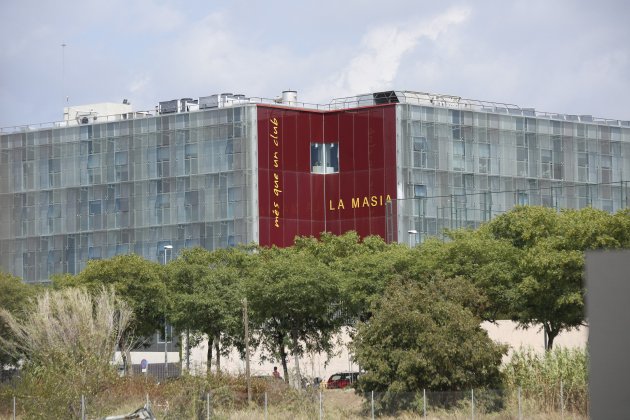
463,119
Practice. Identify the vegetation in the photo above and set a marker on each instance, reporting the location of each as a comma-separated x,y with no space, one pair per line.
540,377
66,345
548,284
417,312
292,299
205,294
426,336
140,283
15,299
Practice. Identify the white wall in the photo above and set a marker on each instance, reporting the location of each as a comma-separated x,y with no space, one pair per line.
319,365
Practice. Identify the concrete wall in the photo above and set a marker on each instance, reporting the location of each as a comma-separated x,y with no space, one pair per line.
320,365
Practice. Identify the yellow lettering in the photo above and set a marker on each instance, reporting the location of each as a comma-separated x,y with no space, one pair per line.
276,205
356,202
340,205
330,207
276,223
388,198
275,142
275,159
366,202
374,200
275,131
380,200
274,121
275,176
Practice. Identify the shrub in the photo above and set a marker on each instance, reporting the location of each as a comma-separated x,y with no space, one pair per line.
66,345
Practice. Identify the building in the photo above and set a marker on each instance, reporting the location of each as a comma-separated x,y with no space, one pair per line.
226,169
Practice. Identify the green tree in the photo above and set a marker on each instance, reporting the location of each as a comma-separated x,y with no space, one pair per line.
292,301
549,286
365,275
15,298
206,292
137,281
490,264
425,336
364,267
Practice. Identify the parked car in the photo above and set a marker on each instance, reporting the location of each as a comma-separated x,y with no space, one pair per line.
342,380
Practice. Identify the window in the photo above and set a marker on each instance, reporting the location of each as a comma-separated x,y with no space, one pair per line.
484,158
545,162
522,198
459,154
324,158
420,149
419,190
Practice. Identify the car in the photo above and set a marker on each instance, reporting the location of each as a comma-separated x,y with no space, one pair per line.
342,380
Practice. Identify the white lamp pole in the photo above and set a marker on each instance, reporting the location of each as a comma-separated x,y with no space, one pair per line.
412,237
166,248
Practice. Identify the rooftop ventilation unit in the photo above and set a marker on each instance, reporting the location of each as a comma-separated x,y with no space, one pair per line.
387,97
168,107
289,97
206,102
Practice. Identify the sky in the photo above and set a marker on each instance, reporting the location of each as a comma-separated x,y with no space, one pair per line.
562,56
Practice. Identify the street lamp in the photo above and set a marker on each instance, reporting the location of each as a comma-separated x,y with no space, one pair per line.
166,248
412,235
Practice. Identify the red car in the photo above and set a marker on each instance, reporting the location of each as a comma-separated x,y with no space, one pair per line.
342,380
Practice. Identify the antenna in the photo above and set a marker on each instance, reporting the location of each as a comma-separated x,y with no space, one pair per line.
63,76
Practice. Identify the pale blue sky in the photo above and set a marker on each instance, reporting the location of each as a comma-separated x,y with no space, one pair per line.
553,55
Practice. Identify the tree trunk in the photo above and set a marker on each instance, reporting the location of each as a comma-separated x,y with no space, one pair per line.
126,356
552,333
188,349
209,353
298,376
217,339
283,357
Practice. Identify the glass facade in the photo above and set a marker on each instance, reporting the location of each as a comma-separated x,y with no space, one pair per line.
71,194
459,168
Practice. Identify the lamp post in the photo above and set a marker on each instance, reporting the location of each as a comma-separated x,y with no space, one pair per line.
412,237
166,248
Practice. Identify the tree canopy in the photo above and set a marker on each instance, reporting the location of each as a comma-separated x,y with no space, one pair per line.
205,290
426,335
292,301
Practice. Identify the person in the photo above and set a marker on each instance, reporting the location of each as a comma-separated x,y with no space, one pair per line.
276,374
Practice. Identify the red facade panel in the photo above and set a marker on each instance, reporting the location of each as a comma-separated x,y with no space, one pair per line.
294,201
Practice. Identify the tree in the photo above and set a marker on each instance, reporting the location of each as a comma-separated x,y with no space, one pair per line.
364,267
424,335
489,263
366,275
549,283
15,298
206,292
137,281
292,300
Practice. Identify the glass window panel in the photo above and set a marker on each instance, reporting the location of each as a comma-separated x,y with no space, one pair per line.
317,158
324,158
420,190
